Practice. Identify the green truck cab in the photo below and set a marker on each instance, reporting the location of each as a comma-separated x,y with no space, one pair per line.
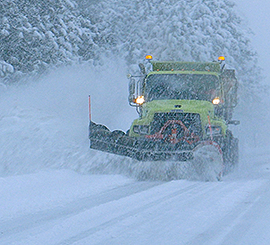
204,88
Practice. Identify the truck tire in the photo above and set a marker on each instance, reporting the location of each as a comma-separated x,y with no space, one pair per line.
230,152
235,152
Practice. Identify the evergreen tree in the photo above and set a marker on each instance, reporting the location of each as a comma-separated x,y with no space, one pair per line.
36,34
187,30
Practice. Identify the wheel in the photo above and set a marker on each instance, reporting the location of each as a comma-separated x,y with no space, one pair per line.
235,152
208,162
230,152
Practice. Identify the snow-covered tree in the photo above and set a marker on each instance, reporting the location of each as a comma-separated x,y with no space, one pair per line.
191,30
36,34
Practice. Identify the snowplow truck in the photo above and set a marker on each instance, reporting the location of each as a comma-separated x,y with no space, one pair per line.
184,108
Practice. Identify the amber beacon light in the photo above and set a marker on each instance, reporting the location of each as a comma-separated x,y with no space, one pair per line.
221,58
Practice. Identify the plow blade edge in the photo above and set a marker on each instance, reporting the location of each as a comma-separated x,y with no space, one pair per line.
139,148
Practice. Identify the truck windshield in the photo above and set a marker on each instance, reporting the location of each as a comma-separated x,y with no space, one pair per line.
181,86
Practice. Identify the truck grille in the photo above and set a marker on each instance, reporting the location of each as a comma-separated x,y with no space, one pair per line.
191,120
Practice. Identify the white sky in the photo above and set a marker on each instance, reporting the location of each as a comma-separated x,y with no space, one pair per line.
256,13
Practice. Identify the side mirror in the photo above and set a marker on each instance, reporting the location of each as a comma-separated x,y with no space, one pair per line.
234,122
142,68
132,90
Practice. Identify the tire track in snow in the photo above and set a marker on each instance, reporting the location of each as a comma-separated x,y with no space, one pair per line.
232,227
192,198
38,223
26,222
199,188
87,218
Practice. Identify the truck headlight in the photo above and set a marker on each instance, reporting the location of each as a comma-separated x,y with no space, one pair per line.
216,101
139,100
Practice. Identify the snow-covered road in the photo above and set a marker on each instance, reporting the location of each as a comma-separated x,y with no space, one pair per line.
55,190
64,207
